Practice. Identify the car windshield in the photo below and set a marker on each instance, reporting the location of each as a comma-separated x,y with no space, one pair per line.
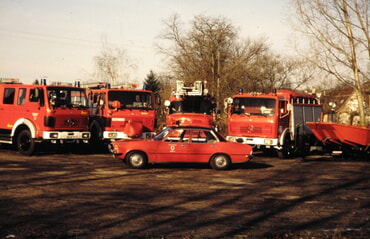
67,97
254,106
162,134
219,136
131,99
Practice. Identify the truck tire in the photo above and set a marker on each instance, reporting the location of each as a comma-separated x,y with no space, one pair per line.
25,143
288,149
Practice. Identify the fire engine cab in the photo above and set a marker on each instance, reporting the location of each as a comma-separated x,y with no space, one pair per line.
120,112
30,114
273,121
190,106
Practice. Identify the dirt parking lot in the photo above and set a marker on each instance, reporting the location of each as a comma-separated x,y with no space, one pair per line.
79,195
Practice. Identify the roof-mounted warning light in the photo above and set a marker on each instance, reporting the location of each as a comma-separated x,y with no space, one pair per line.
128,86
59,83
9,81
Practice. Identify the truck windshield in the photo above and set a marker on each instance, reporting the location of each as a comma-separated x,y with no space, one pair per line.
254,106
131,99
67,97
192,104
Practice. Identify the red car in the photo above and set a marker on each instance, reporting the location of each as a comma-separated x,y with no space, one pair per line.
182,144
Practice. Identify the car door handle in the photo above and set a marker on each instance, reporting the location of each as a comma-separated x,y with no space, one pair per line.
184,145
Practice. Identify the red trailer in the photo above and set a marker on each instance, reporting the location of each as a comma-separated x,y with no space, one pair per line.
342,139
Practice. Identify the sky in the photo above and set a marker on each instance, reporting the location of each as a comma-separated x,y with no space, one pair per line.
58,40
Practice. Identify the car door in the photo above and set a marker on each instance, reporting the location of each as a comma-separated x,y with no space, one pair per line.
202,145
174,146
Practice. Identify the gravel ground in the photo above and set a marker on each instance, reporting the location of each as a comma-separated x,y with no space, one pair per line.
79,195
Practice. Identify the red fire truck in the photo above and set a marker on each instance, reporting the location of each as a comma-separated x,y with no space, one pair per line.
190,106
120,112
273,121
30,114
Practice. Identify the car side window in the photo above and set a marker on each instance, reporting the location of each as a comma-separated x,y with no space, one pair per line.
175,135
198,136
210,137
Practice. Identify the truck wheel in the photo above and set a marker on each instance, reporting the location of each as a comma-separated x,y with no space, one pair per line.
136,159
288,149
220,162
25,143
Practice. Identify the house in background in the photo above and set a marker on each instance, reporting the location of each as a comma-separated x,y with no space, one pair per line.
340,105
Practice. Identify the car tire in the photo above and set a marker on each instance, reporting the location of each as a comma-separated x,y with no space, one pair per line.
25,143
220,162
136,159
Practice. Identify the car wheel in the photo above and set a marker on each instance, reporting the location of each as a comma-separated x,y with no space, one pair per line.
220,162
136,159
25,143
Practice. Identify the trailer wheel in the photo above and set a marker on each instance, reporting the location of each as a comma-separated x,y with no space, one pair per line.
136,159
25,143
220,162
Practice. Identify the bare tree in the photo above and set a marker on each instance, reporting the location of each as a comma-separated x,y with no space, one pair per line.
211,50
113,65
338,38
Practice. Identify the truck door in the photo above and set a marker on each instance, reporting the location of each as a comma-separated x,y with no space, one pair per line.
27,102
19,105
7,109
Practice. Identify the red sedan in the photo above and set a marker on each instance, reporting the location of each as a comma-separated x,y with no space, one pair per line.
182,144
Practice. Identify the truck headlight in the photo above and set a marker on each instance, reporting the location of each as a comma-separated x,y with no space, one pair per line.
112,135
268,141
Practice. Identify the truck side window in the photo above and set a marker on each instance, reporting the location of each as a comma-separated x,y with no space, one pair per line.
282,106
8,96
33,96
101,98
21,96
